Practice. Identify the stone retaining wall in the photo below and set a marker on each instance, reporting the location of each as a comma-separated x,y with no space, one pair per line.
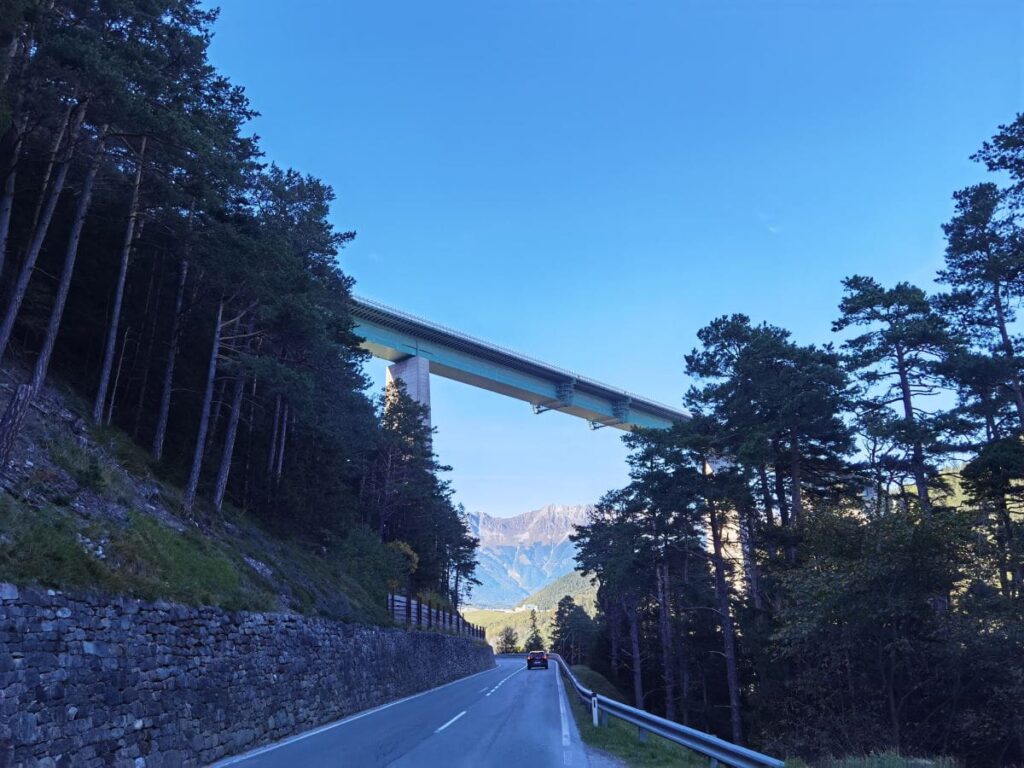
88,681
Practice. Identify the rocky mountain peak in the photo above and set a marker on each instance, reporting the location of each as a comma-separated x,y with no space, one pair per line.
518,555
551,524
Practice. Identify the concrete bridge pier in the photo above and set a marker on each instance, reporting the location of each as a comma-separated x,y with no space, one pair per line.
414,372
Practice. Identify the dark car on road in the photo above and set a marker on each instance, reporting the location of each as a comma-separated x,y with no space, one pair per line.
537,659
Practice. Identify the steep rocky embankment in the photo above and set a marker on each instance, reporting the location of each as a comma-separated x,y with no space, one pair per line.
82,508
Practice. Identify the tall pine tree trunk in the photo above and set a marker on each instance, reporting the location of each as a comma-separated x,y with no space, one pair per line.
918,467
748,546
728,629
785,519
249,431
188,502
665,633
117,375
172,356
766,494
15,141
1007,345
147,357
229,441
218,407
633,620
614,638
39,235
6,204
18,406
283,442
115,315
51,162
272,452
41,198
796,485
684,643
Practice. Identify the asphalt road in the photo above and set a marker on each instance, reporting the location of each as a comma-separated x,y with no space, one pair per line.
507,716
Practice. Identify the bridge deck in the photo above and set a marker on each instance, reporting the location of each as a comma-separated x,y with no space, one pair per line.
395,336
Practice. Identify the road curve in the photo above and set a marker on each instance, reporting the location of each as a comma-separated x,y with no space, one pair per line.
506,716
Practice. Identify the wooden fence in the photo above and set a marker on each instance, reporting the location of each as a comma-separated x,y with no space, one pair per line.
414,613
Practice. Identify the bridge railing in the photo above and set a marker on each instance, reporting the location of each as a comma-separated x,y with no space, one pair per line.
718,750
411,612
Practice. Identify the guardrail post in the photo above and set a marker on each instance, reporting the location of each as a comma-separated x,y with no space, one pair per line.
408,609
419,614
595,711
641,735
714,762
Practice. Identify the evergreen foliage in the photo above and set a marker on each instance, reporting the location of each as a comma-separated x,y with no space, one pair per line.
193,293
827,558
508,641
534,642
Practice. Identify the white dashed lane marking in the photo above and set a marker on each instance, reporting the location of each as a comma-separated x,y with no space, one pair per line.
450,721
500,682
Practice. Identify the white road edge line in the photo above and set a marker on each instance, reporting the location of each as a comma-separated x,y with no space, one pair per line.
566,751
316,731
450,721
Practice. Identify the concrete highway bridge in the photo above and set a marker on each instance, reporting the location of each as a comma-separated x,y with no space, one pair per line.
417,348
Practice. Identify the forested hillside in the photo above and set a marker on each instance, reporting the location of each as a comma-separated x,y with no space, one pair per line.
581,588
793,568
541,607
188,293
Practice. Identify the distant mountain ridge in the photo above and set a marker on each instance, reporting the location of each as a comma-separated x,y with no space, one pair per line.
519,555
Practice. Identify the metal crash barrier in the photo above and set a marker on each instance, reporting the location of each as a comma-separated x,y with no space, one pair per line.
718,750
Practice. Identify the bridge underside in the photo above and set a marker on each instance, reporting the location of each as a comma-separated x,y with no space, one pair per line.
398,338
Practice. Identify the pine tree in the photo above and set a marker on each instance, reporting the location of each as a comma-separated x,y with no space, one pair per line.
896,359
534,642
508,640
985,269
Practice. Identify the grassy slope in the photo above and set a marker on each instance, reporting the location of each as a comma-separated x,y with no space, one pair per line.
84,510
619,738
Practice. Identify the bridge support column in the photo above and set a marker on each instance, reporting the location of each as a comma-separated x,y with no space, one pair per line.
414,372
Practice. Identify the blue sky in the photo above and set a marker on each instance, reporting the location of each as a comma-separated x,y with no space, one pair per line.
591,182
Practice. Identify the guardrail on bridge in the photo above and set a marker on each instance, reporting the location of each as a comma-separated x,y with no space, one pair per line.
415,613
718,750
